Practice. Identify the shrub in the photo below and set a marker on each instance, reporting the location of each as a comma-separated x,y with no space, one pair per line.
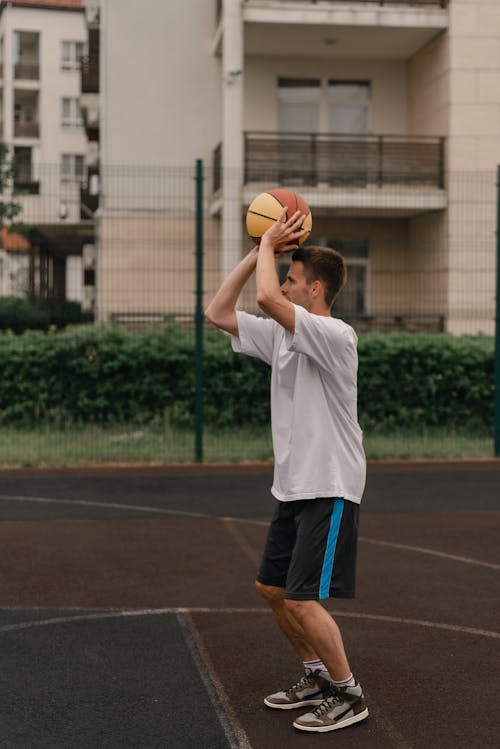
421,380
106,374
18,314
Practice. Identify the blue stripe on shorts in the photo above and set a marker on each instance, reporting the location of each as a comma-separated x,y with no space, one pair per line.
327,571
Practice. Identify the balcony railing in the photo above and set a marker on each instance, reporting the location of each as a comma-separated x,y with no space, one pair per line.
216,168
89,194
411,3
26,130
90,76
27,185
29,71
344,160
90,65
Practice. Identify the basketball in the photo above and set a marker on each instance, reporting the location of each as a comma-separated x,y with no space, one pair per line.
265,210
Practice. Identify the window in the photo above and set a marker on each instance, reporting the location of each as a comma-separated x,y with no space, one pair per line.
299,105
22,164
26,123
26,55
71,114
72,167
348,107
353,299
314,105
71,55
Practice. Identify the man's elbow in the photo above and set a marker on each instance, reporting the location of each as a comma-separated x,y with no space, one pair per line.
215,317
210,315
266,302
263,299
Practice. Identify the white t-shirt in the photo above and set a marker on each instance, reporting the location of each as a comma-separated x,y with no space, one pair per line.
317,441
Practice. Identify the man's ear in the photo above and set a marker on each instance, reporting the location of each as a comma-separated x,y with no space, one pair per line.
317,288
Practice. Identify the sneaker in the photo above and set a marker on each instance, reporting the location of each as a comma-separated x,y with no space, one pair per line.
310,690
342,707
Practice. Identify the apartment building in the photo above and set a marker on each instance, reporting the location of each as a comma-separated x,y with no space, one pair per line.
42,45
383,114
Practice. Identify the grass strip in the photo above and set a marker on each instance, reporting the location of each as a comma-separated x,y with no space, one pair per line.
50,446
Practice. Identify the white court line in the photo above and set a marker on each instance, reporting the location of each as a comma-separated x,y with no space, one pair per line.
207,610
249,521
433,552
233,729
403,547
231,726
108,505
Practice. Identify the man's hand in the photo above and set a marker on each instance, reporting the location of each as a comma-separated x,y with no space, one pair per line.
281,238
284,236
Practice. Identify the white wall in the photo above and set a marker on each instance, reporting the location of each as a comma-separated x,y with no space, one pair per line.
160,82
389,88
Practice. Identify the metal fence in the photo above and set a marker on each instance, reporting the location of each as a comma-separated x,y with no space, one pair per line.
154,243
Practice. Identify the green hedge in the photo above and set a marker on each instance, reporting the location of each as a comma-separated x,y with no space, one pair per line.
105,374
424,380
19,314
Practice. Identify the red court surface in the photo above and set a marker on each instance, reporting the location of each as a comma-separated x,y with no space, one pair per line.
128,616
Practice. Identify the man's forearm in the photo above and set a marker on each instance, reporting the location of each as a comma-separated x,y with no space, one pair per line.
267,280
222,309
269,295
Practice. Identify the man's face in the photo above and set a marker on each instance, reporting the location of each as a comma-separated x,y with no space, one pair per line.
295,288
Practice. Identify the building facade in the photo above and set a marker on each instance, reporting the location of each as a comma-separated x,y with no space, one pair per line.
385,116
42,45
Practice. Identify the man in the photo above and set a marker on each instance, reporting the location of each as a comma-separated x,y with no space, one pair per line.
319,471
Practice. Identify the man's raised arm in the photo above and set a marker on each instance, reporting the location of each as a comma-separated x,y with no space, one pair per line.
222,309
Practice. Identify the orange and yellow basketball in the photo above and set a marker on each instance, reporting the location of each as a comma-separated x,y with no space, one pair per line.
266,208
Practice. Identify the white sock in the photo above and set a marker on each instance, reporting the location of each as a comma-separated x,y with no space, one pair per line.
316,665
350,681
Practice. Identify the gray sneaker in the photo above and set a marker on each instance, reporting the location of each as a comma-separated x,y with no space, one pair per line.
310,690
342,707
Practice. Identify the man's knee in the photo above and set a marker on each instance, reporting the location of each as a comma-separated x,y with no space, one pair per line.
271,593
299,609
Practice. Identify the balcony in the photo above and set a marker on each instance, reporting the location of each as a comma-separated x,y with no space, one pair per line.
26,119
26,130
217,168
384,3
351,175
28,71
90,76
344,160
90,114
26,185
26,55
89,195
90,65
342,29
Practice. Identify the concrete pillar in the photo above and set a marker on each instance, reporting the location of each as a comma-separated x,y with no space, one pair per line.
232,134
8,87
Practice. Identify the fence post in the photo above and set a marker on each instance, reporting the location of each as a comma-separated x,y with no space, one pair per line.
198,316
497,330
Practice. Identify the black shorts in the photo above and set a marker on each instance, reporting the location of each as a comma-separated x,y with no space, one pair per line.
311,549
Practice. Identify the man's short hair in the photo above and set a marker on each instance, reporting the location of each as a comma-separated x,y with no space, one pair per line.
324,264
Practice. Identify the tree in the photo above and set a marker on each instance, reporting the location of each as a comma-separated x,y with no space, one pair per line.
10,209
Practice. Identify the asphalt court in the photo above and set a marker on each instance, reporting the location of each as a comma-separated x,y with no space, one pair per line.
128,616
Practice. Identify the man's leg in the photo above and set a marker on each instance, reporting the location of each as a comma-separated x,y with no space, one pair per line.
314,685
322,634
287,622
